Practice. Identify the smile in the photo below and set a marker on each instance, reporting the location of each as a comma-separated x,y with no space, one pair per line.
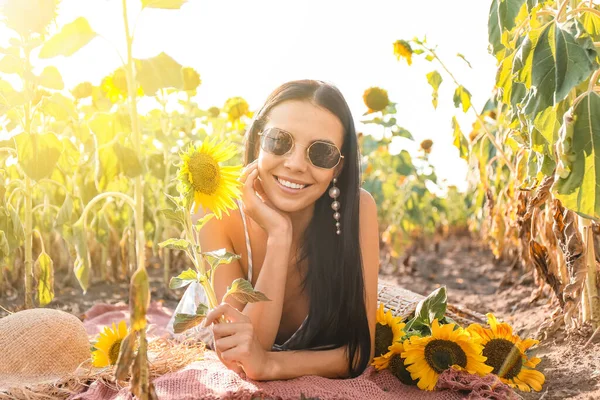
289,185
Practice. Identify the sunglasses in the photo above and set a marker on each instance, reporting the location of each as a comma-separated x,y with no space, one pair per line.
320,154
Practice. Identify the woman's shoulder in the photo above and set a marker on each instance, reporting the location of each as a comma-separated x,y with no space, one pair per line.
367,202
229,223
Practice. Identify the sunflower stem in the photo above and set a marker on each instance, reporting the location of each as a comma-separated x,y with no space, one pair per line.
143,384
591,290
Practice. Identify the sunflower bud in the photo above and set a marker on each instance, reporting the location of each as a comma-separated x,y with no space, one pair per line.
426,145
191,79
236,108
214,112
376,99
82,90
402,49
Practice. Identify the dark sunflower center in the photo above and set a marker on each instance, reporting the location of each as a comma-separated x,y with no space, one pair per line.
398,368
504,357
383,339
113,352
442,354
204,173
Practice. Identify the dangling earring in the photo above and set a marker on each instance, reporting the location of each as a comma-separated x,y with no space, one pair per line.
334,192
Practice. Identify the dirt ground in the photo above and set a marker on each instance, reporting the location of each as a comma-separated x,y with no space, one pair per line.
473,279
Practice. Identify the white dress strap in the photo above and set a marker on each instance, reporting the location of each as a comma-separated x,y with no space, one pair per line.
248,247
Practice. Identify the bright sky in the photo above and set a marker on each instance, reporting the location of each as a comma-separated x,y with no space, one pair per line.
247,48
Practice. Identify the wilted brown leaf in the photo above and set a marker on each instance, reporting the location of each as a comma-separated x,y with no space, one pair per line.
126,356
543,262
572,246
541,195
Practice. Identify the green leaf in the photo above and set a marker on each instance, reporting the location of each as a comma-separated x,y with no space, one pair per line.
51,79
402,132
159,72
82,265
4,247
494,29
38,154
459,140
547,123
403,164
139,299
72,37
65,213
462,97
11,64
433,306
183,322
507,12
562,59
459,55
58,106
177,215
591,23
128,160
165,4
220,256
505,78
242,291
579,153
185,278
45,268
176,244
202,221
435,80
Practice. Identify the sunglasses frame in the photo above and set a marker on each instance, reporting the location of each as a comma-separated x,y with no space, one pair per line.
307,148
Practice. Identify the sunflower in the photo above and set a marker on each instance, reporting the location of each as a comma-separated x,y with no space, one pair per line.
402,49
106,349
211,185
395,363
448,345
191,79
505,353
376,99
388,330
236,108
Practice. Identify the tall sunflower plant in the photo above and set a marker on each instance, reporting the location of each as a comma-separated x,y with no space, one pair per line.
429,343
204,182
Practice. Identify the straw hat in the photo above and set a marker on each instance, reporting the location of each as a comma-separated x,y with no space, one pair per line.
39,346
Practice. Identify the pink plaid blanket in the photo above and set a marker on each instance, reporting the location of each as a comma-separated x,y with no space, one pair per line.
210,379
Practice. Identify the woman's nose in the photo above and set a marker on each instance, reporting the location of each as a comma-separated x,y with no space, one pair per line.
296,159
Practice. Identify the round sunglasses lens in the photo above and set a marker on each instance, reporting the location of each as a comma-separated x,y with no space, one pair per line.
276,142
324,155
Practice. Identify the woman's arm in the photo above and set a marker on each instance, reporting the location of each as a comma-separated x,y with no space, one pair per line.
265,315
238,342
369,245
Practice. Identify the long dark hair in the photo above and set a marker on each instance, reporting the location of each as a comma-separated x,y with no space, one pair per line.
334,279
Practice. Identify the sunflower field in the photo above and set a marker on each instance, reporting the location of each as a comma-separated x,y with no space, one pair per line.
92,190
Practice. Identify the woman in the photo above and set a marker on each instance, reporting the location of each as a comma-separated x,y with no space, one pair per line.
317,265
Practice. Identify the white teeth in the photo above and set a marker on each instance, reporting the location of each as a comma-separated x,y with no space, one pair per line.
290,184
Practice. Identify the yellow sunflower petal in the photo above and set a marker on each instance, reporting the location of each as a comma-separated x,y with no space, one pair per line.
533,378
532,362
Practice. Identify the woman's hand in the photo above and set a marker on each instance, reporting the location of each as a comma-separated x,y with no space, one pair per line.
260,209
236,344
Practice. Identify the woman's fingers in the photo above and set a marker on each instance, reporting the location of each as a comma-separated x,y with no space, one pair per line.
224,330
225,343
247,170
230,313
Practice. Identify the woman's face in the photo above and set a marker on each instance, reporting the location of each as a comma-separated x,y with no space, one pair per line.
307,123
